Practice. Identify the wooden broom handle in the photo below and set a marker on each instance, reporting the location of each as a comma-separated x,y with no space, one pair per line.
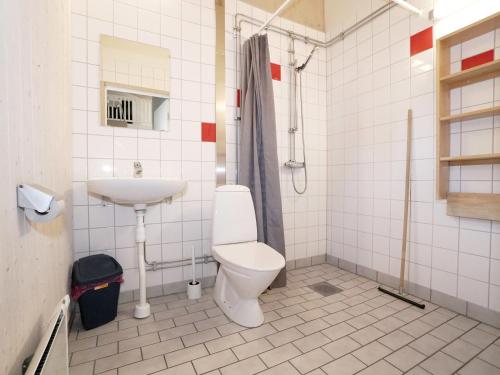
407,198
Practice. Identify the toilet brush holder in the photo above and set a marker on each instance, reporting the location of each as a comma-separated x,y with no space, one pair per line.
194,290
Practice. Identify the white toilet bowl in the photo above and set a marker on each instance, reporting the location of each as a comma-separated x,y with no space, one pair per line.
247,267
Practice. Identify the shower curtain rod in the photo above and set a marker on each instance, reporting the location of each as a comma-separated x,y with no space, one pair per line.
274,15
306,39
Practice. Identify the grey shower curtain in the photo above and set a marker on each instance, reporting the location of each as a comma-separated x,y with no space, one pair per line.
258,167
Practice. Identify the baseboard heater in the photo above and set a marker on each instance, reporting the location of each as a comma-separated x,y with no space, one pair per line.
51,354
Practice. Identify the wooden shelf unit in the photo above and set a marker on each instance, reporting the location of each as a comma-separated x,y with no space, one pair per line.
475,205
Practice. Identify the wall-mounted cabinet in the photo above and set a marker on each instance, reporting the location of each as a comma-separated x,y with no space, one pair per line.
135,84
466,204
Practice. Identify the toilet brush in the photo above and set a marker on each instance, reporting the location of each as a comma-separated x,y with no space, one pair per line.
193,287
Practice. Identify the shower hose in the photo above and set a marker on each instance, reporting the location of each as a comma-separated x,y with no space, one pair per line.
303,139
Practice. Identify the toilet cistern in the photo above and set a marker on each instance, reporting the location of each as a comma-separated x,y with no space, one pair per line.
137,192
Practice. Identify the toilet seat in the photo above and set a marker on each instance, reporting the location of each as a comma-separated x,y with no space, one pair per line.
252,256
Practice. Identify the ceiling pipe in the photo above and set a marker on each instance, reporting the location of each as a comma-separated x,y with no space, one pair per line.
408,6
274,15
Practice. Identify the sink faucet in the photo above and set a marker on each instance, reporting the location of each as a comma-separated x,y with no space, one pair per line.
137,169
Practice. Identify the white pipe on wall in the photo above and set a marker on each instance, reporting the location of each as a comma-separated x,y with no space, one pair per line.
274,15
408,6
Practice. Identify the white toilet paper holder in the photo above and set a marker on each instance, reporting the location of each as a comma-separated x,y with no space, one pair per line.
38,205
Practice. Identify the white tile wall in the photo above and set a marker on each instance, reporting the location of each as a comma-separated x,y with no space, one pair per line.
103,151
366,151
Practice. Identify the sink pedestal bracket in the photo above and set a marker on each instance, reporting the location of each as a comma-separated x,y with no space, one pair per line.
143,309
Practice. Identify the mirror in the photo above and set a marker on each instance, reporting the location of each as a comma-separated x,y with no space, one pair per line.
135,82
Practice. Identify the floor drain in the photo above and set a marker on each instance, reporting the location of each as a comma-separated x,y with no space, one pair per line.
325,289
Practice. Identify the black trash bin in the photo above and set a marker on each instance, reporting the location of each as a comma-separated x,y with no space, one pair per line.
96,285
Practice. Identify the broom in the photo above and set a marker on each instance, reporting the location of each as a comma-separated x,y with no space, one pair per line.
400,295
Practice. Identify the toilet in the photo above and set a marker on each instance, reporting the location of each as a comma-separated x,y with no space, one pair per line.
247,267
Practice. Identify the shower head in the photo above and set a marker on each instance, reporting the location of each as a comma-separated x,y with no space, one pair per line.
303,66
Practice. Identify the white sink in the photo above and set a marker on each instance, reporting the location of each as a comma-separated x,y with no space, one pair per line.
139,192
134,191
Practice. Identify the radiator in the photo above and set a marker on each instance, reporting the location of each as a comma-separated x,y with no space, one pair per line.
51,354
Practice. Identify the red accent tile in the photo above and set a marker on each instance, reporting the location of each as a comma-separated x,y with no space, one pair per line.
421,41
208,132
479,59
276,71
238,98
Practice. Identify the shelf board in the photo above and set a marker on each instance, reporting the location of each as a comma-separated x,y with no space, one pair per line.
472,114
474,205
478,73
471,159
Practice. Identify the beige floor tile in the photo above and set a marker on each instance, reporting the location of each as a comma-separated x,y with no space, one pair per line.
184,369
230,328
200,337
92,354
358,310
334,307
216,321
382,312
271,316
214,361
389,324
106,328
337,317
248,366
190,318
122,334
280,354
441,364
175,332
371,353
283,337
161,348
346,365
133,322
380,368
171,313
491,355
144,367
479,367
312,326
82,344
282,369
418,371
117,360
338,331
311,342
409,314
312,314
463,322
341,347
479,338
138,342
435,318
311,360
428,344
252,348
461,350
83,369
288,322
367,335
405,358
416,328
290,310
487,328
186,355
257,333
446,332
224,343
201,306
396,339
144,329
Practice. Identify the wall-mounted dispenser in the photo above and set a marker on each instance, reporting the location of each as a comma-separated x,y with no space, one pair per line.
38,205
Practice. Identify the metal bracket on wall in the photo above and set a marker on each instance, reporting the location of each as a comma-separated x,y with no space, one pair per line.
220,92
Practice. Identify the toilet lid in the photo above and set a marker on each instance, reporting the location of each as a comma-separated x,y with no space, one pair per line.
256,256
